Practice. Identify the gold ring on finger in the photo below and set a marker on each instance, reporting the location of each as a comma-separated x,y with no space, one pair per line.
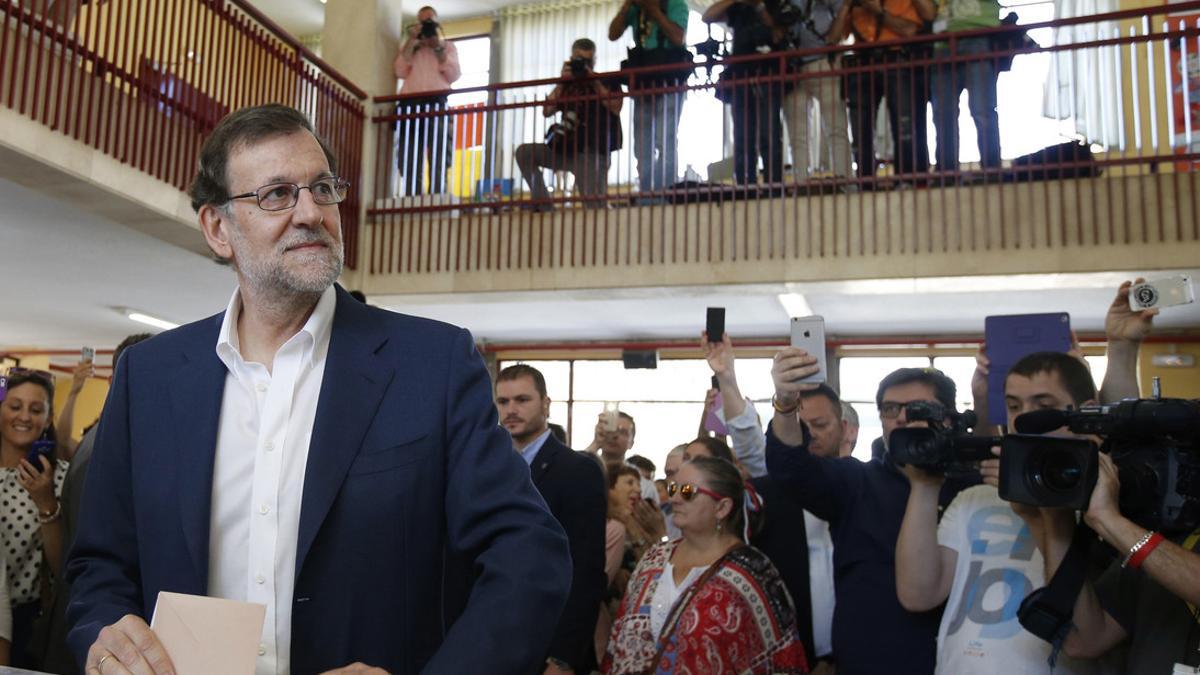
100,664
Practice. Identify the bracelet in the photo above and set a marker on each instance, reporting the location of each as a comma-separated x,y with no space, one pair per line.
50,517
1141,550
1133,550
784,410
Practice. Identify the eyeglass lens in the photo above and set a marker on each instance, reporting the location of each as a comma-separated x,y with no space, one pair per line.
281,196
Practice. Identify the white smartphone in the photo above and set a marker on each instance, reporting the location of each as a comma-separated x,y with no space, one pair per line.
1168,292
612,411
808,333
87,355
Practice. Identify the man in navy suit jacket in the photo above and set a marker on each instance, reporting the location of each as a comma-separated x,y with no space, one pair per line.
309,452
574,488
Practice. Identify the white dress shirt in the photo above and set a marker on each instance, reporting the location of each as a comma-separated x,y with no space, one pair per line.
258,478
820,582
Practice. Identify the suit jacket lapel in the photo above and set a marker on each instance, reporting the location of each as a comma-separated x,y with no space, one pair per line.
352,388
545,457
196,392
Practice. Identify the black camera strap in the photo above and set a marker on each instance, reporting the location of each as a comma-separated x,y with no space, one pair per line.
1047,611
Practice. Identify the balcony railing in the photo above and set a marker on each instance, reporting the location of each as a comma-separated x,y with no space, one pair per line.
450,195
145,82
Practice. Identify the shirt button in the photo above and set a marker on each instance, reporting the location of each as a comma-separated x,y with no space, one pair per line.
261,387
268,446
264,509
260,579
262,650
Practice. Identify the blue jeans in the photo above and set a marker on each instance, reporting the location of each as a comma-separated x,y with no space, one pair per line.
978,77
655,139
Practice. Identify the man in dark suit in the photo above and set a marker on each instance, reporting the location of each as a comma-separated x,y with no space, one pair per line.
311,453
573,486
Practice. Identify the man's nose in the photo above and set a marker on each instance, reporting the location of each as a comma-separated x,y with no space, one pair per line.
307,212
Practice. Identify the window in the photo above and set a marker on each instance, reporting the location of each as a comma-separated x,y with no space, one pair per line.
475,60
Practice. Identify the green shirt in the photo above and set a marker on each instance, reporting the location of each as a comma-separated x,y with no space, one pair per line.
956,15
676,11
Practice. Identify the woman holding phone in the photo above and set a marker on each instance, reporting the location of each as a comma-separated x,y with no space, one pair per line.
31,480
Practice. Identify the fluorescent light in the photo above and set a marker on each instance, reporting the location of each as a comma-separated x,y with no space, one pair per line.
151,320
795,304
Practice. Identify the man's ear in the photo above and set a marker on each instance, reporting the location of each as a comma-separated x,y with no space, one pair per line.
215,223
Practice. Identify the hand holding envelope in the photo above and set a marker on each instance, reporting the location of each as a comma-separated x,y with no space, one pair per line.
138,648
208,635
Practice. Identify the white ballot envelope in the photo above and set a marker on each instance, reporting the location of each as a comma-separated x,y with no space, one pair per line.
205,635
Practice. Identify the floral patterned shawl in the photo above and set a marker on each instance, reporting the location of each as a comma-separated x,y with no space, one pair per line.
737,619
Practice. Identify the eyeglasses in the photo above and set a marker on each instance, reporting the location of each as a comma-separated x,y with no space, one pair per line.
280,196
890,410
689,491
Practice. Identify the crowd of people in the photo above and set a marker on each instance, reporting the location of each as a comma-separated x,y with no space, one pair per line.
768,96
396,508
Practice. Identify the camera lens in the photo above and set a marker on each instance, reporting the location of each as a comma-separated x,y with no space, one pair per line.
1057,471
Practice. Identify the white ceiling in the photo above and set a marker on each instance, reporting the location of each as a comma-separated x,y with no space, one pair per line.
66,271
69,273
895,307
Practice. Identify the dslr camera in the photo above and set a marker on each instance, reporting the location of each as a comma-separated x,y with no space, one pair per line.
939,448
1155,444
579,66
429,29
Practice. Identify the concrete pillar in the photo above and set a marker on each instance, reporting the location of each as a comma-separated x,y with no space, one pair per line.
360,39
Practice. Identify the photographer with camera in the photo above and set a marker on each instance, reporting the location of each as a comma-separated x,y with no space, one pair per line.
1149,594
981,558
903,87
977,76
659,34
755,104
428,64
810,27
863,502
586,135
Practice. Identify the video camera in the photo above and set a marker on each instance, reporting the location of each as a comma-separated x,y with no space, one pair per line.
949,450
1155,444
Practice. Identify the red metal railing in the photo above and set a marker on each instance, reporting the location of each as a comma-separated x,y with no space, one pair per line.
907,201
146,82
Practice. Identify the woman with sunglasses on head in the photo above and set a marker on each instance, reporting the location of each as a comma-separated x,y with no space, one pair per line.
707,595
30,525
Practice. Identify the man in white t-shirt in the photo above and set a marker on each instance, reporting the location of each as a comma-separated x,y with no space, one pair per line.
984,560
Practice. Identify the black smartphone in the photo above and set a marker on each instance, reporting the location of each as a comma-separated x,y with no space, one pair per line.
715,326
716,384
40,448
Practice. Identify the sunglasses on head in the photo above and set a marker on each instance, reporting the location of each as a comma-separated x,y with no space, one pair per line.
689,491
17,371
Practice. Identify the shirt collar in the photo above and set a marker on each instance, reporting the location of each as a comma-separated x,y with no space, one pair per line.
314,335
531,451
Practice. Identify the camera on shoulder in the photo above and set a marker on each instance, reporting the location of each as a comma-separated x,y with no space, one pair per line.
1155,444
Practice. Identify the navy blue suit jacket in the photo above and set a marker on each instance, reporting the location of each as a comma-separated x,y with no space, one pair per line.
574,488
407,468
